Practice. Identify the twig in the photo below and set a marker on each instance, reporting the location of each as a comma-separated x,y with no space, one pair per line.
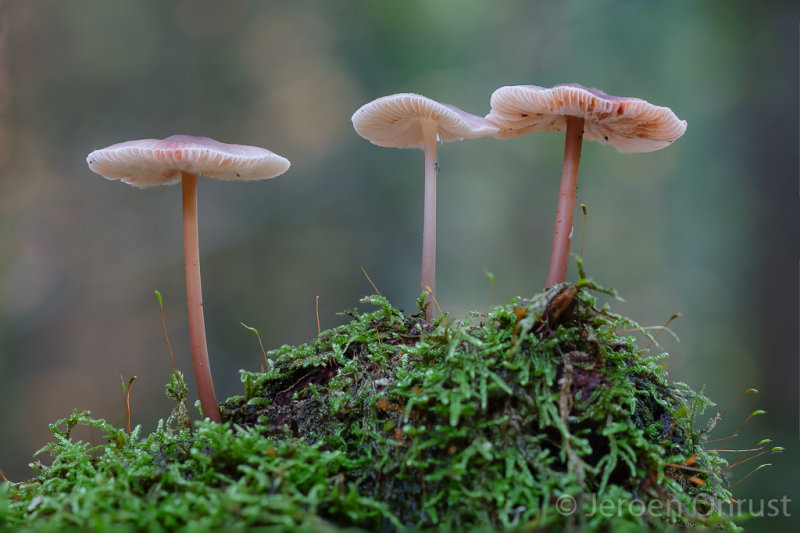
316,304
370,281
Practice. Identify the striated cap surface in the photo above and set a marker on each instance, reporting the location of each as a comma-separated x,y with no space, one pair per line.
628,124
395,121
151,162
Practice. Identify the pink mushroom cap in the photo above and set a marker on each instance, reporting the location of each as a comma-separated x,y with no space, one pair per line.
151,162
395,121
628,124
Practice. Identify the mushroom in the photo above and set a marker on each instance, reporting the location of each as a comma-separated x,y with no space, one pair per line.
180,158
408,120
627,124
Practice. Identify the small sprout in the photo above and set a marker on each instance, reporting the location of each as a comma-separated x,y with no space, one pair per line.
164,324
746,420
430,291
127,392
583,231
254,330
646,328
422,303
176,391
753,471
316,309
748,391
665,328
491,284
756,448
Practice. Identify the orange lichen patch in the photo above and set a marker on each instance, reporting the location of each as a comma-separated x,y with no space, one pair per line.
672,469
384,405
520,313
697,481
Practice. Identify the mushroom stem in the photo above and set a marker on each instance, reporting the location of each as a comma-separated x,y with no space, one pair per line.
428,277
194,300
562,236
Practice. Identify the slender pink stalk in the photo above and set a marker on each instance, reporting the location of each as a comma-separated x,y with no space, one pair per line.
194,300
428,277
562,236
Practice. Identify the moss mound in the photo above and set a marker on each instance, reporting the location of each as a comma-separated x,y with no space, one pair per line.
536,416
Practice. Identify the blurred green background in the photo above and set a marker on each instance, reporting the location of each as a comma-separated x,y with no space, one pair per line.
707,227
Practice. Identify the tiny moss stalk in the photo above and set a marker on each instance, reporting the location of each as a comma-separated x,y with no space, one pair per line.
559,257
428,277
194,300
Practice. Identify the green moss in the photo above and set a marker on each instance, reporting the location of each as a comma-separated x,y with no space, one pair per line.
390,422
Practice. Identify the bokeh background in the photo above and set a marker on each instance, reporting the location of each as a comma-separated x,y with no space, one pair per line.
707,227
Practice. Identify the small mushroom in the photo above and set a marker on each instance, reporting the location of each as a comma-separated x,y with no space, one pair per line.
408,120
627,124
181,158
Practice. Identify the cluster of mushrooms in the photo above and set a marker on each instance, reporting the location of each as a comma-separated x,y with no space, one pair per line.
403,120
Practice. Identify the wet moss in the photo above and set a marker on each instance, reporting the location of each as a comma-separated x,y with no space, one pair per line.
521,418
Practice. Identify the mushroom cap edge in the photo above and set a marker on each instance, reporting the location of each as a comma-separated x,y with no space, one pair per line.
152,162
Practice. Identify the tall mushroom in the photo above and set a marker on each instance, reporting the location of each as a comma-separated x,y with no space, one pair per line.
181,158
408,120
627,124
